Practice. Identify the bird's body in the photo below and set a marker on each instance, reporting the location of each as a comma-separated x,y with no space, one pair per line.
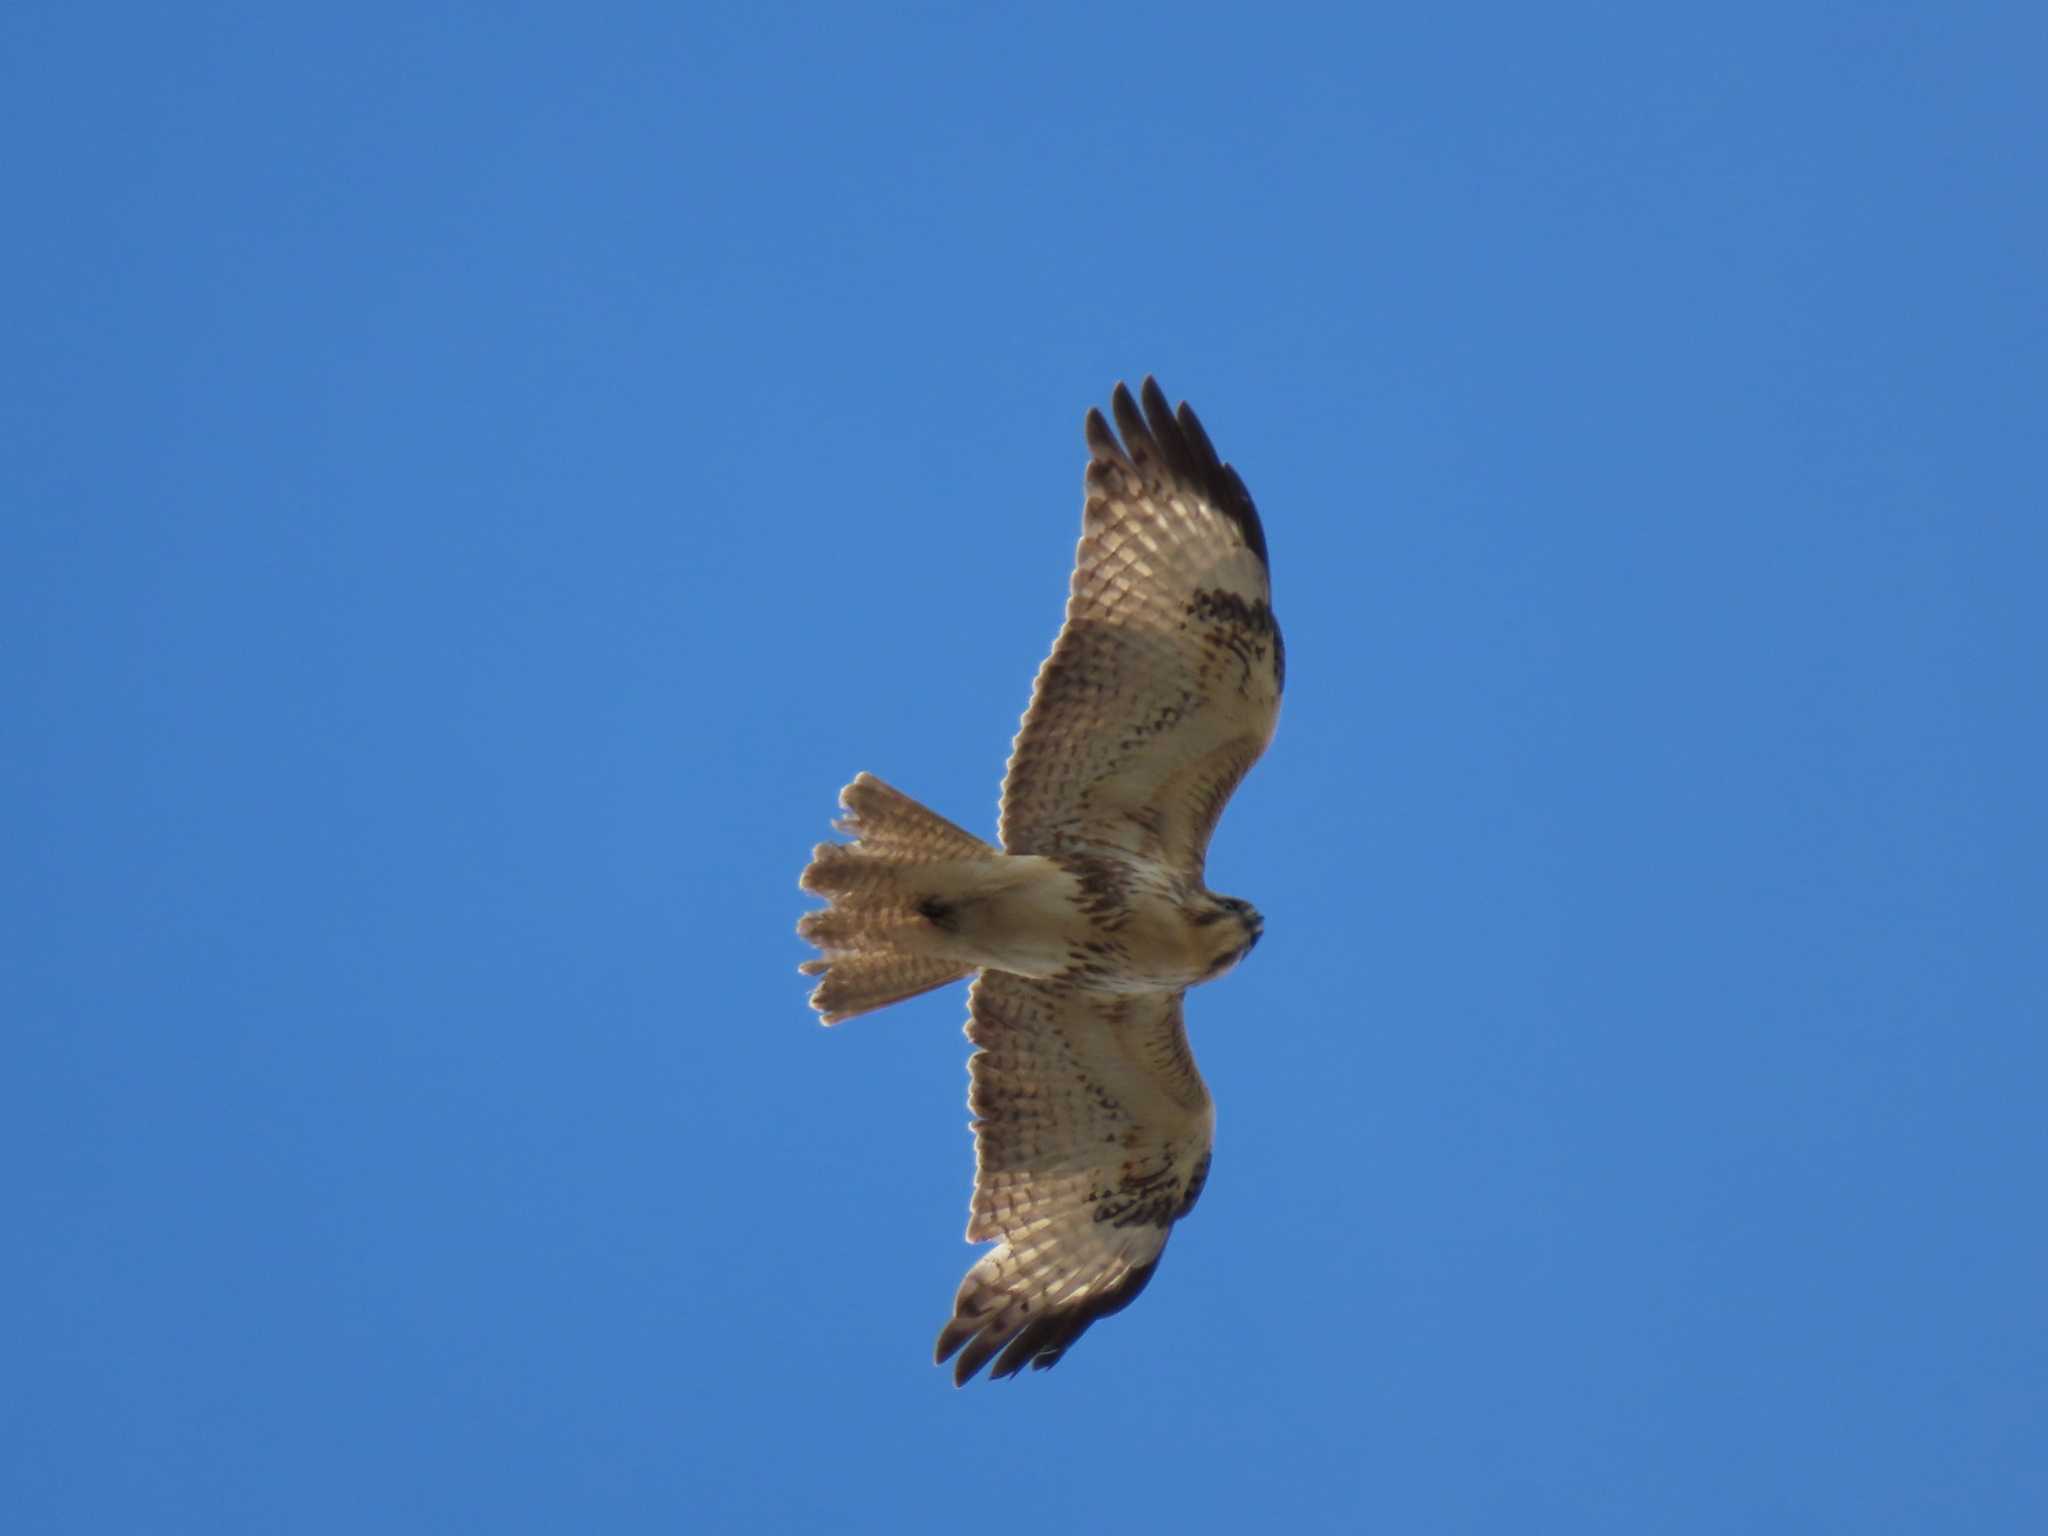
1103,922
1089,923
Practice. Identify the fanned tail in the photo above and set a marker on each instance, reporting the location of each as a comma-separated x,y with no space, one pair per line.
879,939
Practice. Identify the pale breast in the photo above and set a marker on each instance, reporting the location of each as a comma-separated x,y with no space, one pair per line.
1140,935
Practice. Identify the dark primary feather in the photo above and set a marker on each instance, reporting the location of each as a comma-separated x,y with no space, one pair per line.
1039,1344
1180,443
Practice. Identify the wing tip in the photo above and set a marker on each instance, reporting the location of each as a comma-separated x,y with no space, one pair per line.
1040,1342
1151,430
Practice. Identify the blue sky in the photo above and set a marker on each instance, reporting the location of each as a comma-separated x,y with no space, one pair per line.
478,480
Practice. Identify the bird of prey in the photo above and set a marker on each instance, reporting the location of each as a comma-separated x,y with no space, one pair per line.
1092,1126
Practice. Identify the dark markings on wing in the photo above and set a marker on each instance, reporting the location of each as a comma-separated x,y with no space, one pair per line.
1243,628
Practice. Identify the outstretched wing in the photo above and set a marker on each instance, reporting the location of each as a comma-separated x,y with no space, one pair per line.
1092,1135
1164,684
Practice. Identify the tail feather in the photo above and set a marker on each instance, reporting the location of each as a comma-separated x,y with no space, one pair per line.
888,821
878,939
857,984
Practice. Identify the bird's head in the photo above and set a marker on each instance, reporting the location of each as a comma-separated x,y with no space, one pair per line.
1229,928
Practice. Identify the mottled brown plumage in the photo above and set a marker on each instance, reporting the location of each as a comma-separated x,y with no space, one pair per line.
1093,1127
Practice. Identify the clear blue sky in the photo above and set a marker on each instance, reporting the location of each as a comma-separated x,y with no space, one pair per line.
478,480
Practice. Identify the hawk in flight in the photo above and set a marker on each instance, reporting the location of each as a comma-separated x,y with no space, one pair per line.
1088,925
